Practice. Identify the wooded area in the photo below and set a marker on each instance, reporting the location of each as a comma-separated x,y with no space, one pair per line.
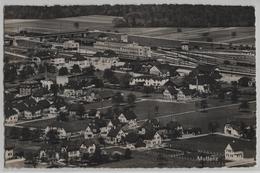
163,15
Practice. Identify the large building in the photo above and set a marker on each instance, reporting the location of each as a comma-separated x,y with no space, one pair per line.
71,45
129,49
28,87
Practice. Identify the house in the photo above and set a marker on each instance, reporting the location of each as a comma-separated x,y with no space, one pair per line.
49,153
73,151
131,139
76,109
9,152
62,134
174,129
20,107
73,91
110,124
146,80
185,46
39,94
233,128
170,93
32,113
88,146
57,106
115,136
234,152
11,116
47,84
163,70
71,45
200,84
28,87
44,105
152,139
88,133
30,102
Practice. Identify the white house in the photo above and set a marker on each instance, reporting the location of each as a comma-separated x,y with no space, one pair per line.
115,135
11,116
154,81
232,129
61,131
32,113
88,133
9,152
88,146
152,139
46,84
233,152
71,45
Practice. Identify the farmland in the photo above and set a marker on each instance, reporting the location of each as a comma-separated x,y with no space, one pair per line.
244,35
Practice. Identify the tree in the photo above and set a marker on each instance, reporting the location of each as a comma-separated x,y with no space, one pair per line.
131,99
63,116
81,112
221,95
54,89
156,109
227,62
97,157
52,136
75,69
234,94
124,81
234,33
108,74
119,22
243,81
63,71
76,25
117,98
97,82
128,153
213,126
31,157
203,104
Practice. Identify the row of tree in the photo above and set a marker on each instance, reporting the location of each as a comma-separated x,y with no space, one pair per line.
173,15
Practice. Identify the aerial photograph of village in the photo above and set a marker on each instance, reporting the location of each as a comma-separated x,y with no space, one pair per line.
129,86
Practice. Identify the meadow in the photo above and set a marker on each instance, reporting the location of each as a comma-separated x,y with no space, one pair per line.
243,35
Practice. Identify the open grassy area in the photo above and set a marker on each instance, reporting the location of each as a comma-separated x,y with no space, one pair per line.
61,24
244,35
70,126
214,143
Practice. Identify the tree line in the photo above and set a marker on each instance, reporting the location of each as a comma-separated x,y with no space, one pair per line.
148,15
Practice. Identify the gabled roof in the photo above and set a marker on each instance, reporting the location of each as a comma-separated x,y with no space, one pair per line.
43,104
30,102
40,93
132,137
20,106
235,125
33,109
88,142
113,132
172,90
149,135
236,147
129,115
148,77
10,112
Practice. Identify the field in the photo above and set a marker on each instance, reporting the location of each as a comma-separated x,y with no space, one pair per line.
244,35
60,24
187,115
214,143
